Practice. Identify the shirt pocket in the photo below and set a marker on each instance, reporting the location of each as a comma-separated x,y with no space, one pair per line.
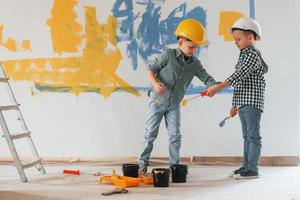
169,74
189,72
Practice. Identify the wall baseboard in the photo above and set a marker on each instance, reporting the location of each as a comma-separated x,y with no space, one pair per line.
196,160
264,161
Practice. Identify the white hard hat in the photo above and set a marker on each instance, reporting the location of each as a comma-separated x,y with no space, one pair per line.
247,24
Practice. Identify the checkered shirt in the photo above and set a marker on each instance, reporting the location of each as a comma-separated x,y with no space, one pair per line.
248,79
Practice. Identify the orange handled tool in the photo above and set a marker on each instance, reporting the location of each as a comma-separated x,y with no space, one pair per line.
69,171
202,94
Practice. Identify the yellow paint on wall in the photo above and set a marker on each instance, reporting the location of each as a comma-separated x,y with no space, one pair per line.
227,19
11,43
94,70
26,45
65,31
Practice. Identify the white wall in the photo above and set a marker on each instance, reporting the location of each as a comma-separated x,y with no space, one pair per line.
281,103
299,74
90,125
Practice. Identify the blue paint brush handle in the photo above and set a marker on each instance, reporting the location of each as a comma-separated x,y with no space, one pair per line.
222,123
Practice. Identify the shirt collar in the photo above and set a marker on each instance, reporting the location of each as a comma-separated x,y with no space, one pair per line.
178,53
247,48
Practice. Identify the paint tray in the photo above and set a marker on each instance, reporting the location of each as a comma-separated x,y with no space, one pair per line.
147,178
121,181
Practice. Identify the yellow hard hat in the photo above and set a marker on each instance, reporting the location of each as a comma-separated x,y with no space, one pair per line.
191,29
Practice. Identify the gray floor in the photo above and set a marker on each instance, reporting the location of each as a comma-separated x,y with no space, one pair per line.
204,182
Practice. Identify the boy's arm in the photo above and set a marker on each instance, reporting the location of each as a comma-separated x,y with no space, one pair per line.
248,65
246,68
215,88
158,86
154,68
159,62
206,78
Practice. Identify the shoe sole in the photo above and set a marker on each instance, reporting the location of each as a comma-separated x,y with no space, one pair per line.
231,175
239,177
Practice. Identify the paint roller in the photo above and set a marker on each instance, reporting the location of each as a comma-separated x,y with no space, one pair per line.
201,94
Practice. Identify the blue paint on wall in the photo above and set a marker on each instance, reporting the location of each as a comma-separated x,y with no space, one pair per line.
126,17
125,30
131,51
153,35
252,8
192,90
168,26
148,32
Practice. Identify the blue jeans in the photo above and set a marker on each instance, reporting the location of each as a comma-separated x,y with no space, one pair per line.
250,119
172,120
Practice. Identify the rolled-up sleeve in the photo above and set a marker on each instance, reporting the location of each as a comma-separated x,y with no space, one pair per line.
159,62
206,78
247,66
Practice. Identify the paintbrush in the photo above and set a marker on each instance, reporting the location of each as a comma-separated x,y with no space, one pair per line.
185,101
223,122
78,172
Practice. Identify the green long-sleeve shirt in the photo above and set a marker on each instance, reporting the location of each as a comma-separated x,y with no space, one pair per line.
176,73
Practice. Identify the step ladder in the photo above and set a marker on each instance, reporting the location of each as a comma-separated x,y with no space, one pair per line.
10,137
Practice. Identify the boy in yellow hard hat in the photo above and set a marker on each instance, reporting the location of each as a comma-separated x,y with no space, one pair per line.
170,75
248,95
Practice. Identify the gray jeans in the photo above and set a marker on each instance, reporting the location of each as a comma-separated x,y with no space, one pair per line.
172,120
250,119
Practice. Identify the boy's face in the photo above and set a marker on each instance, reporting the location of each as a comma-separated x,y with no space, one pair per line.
242,39
188,48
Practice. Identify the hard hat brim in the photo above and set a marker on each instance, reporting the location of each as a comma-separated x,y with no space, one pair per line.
257,38
204,43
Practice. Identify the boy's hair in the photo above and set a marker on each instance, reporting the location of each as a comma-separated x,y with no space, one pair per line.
246,32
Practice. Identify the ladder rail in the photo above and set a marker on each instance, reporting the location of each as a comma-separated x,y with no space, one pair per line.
10,89
12,149
13,98
10,137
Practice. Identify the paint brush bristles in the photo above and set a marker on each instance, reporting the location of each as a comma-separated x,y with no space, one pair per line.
185,101
223,122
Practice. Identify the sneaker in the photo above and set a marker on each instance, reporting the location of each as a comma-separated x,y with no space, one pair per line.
142,169
246,174
237,171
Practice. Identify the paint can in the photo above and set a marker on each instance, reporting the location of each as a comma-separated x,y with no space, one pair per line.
179,173
161,177
131,170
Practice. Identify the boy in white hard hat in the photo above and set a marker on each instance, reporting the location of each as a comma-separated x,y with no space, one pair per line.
248,95
170,75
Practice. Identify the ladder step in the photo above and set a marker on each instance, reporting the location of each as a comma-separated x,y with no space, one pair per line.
30,164
10,107
4,79
20,135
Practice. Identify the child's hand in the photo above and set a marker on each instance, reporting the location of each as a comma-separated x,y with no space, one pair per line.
215,88
211,91
233,111
159,88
